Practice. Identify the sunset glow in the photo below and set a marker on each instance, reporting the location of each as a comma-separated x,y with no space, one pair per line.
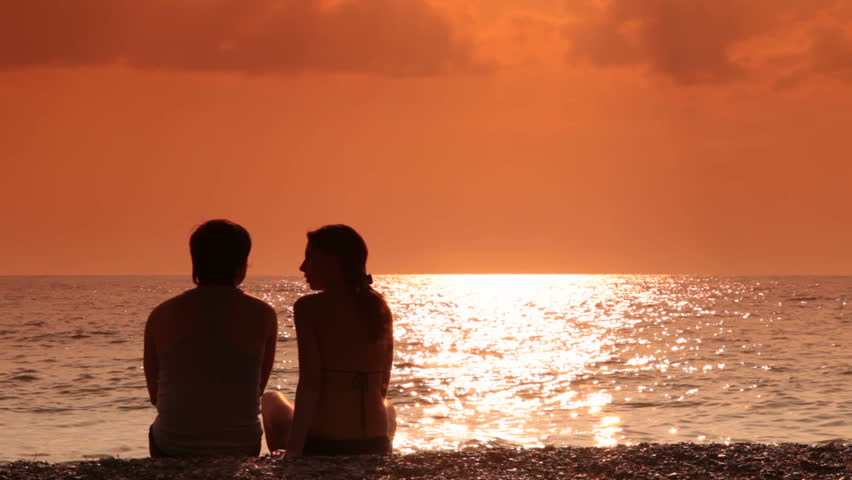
476,136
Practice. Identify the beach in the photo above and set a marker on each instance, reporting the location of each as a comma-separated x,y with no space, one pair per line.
831,461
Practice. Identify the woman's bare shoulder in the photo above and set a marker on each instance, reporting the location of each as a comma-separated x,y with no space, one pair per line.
311,302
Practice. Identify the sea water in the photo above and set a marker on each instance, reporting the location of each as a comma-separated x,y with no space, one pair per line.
480,360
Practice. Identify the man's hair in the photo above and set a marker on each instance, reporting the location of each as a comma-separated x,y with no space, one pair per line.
219,250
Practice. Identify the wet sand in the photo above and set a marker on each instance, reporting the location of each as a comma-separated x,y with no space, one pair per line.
644,461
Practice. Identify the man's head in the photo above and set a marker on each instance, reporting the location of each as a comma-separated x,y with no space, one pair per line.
219,250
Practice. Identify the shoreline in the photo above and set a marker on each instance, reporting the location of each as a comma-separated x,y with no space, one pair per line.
788,461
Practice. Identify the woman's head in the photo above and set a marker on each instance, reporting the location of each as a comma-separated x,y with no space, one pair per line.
336,257
219,251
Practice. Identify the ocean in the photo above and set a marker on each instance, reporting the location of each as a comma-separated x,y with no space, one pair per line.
481,360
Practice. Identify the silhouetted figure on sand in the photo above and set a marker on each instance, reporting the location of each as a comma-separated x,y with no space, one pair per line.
345,342
209,352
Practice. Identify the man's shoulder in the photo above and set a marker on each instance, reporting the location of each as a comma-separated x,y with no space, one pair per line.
165,310
259,306
169,304
258,312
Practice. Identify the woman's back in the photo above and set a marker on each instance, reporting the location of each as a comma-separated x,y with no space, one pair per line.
354,368
345,343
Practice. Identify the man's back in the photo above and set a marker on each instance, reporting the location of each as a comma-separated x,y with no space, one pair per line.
208,354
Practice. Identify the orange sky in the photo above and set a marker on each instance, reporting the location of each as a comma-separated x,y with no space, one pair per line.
616,136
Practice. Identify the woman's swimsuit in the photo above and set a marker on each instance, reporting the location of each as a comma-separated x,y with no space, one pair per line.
381,445
316,446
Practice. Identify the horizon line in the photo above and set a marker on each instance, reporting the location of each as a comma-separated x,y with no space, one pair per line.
703,274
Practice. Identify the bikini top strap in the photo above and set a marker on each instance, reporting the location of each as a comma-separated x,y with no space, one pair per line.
359,382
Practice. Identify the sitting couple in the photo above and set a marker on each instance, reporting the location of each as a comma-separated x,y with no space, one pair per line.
209,352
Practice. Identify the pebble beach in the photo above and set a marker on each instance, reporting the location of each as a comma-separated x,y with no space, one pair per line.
831,461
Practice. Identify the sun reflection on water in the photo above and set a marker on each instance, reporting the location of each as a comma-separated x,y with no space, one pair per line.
506,343
606,431
573,359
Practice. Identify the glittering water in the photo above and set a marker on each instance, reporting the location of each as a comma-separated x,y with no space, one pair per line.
481,360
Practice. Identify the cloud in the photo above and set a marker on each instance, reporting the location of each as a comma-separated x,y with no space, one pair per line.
691,42
521,38
61,32
385,37
831,53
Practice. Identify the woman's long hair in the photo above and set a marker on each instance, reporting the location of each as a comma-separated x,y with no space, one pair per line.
347,245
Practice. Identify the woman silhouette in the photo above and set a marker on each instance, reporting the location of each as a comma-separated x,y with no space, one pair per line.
345,342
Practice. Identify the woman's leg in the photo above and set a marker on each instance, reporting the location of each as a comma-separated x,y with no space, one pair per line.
277,418
153,449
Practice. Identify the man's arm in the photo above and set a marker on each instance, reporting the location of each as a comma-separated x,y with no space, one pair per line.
149,361
269,349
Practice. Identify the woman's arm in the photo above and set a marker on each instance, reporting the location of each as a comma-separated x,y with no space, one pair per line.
149,360
387,367
388,360
310,376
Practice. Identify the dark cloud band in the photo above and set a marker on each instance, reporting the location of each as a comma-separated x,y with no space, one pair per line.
693,42
387,37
